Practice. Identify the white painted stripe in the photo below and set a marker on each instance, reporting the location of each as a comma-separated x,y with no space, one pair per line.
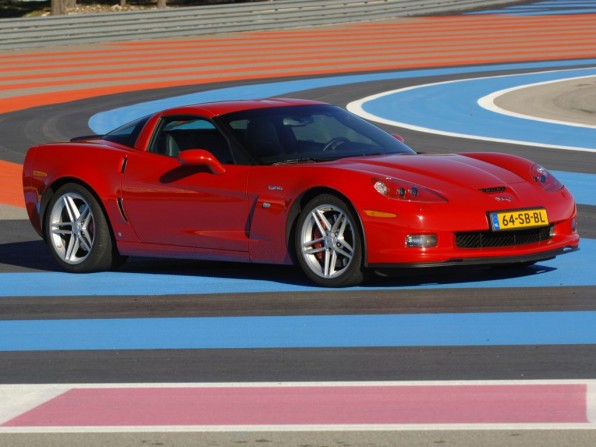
591,402
297,428
152,385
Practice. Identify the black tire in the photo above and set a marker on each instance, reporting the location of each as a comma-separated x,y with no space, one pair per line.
77,232
328,243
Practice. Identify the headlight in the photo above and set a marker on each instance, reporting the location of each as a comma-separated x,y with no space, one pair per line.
409,192
545,179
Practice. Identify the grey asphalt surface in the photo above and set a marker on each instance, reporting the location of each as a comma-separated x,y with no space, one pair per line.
418,438
572,101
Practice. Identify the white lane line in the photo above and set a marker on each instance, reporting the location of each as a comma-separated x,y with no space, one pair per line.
294,428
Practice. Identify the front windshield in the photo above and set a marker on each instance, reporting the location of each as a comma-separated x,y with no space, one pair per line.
309,133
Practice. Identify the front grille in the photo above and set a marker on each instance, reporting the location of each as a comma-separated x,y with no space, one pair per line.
489,239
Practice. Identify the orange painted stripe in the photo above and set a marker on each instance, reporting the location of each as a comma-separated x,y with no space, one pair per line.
371,59
255,40
162,50
57,97
408,43
282,54
11,184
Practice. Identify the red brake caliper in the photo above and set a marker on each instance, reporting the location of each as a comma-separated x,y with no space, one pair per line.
317,235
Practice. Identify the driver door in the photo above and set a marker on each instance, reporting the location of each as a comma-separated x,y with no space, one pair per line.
172,204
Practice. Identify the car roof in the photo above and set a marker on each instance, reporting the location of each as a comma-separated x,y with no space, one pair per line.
223,107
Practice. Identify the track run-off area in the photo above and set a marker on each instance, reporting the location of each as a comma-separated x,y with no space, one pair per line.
255,354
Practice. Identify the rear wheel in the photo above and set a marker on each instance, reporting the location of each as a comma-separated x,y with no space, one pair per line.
328,243
77,231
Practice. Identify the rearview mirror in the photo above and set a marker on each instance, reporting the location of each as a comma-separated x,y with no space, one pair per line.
201,157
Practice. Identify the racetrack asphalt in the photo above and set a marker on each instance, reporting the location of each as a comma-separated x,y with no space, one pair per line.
50,94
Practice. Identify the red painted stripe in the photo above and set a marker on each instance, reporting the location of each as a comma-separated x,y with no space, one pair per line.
311,405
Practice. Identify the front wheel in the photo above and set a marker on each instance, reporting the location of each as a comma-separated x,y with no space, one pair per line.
77,232
328,243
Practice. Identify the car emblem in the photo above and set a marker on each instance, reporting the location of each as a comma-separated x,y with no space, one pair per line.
275,188
504,198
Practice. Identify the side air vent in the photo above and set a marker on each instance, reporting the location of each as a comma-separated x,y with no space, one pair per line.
121,208
124,164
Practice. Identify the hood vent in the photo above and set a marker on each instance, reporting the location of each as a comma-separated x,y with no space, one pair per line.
494,189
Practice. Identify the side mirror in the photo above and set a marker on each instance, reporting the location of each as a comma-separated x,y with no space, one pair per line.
201,157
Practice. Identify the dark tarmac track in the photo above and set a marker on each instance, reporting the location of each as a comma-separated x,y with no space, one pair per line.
22,250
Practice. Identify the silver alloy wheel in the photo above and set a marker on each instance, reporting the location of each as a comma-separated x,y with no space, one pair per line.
327,241
72,228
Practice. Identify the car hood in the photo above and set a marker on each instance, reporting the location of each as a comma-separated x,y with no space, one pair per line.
437,172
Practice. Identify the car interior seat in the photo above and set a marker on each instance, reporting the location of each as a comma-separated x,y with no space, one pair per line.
262,139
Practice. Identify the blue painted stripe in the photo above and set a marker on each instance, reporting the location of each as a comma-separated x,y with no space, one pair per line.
582,186
110,119
572,269
475,329
453,108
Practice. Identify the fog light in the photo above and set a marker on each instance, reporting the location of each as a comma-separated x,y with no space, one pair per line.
421,240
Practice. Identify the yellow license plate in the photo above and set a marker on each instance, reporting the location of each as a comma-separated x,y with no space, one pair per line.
513,220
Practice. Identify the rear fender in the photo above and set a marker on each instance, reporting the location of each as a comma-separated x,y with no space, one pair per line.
52,166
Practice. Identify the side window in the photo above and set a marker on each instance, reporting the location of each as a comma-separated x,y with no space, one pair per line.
180,133
127,134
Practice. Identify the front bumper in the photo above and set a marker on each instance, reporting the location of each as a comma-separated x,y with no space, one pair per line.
478,261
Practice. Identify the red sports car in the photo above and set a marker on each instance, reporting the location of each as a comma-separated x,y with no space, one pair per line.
285,181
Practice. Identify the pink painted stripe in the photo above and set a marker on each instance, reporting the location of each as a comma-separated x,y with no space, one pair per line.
308,405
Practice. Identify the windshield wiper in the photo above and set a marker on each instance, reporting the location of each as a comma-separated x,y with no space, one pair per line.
296,160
